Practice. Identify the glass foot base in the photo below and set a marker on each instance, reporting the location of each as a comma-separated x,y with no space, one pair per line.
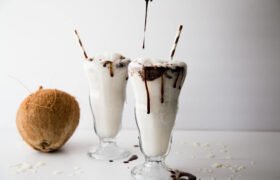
108,151
151,171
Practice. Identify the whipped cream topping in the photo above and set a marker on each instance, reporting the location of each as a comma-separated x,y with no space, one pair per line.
149,62
156,84
107,77
112,57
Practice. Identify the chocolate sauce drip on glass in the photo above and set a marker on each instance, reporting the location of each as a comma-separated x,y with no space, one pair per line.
181,79
152,73
175,82
179,175
110,67
162,90
183,73
168,75
132,158
147,90
145,24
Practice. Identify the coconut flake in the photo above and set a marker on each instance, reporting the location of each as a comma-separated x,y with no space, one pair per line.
217,165
224,151
57,172
205,145
240,168
211,156
39,164
196,144
228,157
23,167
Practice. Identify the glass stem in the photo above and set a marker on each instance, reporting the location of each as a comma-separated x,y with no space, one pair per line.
104,142
154,161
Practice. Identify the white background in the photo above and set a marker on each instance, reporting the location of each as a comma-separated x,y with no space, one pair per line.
232,48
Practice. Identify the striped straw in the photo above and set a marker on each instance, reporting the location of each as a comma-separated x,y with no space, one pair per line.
176,41
81,44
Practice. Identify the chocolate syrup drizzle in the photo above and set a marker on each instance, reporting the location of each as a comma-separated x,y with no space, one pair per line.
118,65
162,89
175,82
181,79
152,73
145,24
179,175
147,91
110,67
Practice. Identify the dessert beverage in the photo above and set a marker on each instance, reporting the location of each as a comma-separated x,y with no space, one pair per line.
156,85
107,78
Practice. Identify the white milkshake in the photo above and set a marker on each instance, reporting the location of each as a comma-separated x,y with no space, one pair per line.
156,85
107,77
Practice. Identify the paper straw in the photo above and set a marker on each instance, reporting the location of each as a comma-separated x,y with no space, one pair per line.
81,44
176,41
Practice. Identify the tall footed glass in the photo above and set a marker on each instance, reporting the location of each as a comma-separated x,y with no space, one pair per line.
154,151
107,77
156,85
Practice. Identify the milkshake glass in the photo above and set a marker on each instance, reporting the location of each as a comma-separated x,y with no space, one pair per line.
156,85
107,78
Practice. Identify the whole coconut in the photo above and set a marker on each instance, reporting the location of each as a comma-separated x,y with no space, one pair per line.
47,118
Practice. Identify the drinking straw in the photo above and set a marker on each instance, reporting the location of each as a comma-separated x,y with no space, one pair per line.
176,41
81,44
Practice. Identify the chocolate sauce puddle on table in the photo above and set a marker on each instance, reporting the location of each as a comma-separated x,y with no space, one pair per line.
132,158
152,73
145,24
180,175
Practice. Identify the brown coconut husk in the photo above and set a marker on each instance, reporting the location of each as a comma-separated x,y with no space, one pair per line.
47,118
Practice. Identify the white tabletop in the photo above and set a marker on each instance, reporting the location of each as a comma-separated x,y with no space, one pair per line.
208,155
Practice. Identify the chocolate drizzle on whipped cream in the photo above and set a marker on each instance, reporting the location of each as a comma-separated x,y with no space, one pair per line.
112,62
150,73
110,67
